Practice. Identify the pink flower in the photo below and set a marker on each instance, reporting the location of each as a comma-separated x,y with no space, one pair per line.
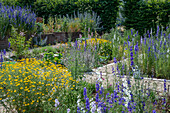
22,33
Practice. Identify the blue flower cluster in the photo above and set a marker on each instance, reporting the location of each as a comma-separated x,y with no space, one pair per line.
20,18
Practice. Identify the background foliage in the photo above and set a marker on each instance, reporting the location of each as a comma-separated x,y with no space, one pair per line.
143,16
139,14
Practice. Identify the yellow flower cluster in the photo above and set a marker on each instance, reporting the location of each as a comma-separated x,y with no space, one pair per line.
97,40
31,81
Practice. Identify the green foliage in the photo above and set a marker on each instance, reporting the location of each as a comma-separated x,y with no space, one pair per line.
54,58
106,9
145,15
8,2
19,44
24,3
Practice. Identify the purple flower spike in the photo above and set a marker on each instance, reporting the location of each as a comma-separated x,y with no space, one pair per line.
76,44
87,105
97,97
4,52
101,91
131,31
115,61
78,110
1,59
97,87
132,63
85,45
113,69
164,85
166,27
128,37
85,93
9,45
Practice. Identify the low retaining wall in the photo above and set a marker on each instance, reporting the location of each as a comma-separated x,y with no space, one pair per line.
4,43
52,38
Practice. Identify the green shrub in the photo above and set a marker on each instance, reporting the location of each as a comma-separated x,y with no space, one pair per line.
143,16
18,45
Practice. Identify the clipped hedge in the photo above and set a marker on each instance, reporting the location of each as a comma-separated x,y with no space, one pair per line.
143,16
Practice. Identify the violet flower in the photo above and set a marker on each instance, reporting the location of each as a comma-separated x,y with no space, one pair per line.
164,85
56,102
4,52
131,31
97,97
85,93
68,110
9,45
97,87
87,105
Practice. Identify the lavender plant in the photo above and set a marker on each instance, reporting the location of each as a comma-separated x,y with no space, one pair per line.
20,18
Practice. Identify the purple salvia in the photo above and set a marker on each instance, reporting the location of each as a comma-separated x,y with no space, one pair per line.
155,47
128,37
107,97
4,52
157,31
164,35
97,97
131,31
85,93
101,90
1,59
87,104
160,43
166,27
78,110
115,61
165,85
113,69
97,86
128,44
161,33
136,47
76,44
85,45
124,43
149,49
145,41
